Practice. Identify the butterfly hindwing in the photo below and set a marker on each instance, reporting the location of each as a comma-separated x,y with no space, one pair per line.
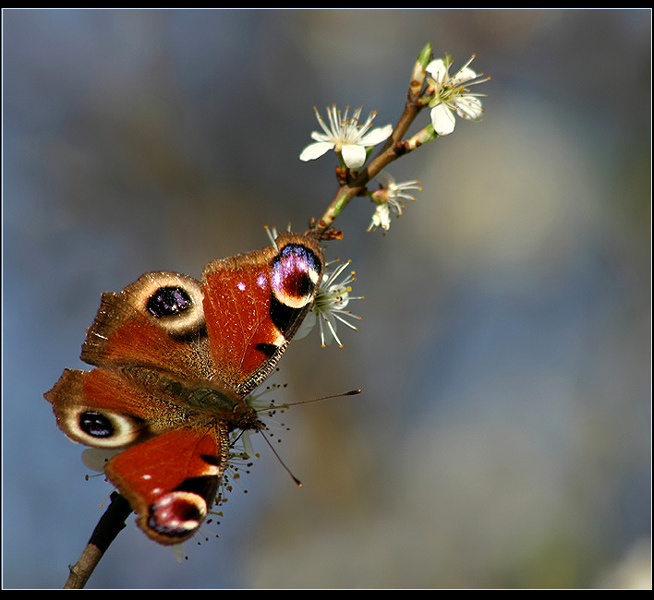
172,497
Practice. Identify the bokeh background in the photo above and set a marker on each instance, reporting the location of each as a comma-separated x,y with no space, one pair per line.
503,436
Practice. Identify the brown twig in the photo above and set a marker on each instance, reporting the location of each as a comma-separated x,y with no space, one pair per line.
109,526
394,148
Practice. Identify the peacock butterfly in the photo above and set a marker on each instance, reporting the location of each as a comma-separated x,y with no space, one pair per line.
174,360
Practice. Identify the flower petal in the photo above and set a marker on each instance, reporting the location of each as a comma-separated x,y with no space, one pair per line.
464,75
320,137
354,156
307,325
97,458
469,107
383,214
377,135
437,69
385,178
313,151
442,119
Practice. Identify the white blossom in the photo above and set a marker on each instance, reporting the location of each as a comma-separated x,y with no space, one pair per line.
451,96
390,198
346,137
330,306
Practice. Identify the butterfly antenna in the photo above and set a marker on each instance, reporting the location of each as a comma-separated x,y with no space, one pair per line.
283,406
281,462
286,405
350,393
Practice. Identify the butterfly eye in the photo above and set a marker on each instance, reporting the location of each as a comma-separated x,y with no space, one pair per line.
295,275
172,300
100,429
176,516
167,301
96,425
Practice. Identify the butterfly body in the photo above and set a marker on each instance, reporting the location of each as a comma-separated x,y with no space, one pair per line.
175,358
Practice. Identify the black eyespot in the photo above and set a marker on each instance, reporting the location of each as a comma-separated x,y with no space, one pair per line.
96,425
168,301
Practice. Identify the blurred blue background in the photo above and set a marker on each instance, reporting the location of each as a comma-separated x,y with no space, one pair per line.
503,436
